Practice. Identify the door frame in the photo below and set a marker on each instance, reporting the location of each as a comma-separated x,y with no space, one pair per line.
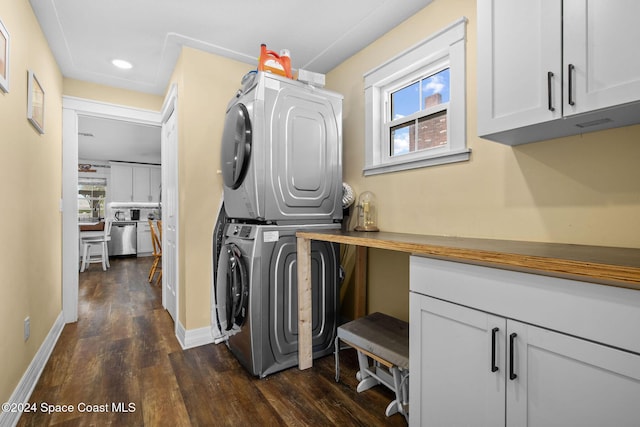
72,108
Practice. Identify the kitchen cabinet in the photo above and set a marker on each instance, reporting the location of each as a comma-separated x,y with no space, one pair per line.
146,184
493,347
548,69
121,185
135,183
145,247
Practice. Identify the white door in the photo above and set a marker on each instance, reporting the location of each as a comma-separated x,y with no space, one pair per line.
170,215
601,47
457,364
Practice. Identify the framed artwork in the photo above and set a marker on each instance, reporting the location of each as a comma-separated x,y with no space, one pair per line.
4,58
35,103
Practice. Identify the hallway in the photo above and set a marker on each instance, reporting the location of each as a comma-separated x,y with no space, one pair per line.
122,362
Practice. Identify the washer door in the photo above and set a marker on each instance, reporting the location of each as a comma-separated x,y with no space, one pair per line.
236,146
233,287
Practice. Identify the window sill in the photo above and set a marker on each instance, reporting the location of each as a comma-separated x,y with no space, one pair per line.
441,159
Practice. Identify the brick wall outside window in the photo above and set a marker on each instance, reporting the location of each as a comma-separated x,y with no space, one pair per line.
432,130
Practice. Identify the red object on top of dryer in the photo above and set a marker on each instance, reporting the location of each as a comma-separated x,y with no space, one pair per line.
272,62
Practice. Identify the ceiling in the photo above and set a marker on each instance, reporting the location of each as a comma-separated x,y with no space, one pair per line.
107,139
85,36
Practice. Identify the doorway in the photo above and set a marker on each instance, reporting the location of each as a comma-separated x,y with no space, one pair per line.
73,110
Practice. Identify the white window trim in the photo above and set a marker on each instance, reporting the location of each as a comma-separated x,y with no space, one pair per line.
447,45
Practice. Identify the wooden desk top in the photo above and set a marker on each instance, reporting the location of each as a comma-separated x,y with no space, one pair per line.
597,264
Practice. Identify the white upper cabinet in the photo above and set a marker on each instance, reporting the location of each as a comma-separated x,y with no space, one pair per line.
146,184
601,47
549,68
135,183
519,44
121,182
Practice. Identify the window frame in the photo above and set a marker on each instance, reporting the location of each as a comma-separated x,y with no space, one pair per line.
444,49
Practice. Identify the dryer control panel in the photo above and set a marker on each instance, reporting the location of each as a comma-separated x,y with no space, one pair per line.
240,230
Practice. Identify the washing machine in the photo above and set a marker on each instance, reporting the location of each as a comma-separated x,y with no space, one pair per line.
281,152
257,299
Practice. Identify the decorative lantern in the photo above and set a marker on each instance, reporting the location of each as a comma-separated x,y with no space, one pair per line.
367,212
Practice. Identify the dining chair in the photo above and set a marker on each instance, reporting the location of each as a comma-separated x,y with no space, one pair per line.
102,240
156,241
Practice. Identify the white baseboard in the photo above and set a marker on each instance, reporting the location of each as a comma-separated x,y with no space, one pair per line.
193,337
28,382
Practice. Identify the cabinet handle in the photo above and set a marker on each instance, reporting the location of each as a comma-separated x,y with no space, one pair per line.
549,78
512,339
570,71
494,332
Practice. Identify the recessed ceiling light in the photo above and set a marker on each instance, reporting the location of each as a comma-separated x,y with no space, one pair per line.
121,63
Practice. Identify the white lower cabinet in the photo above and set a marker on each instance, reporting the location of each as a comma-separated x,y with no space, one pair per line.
145,246
450,381
470,367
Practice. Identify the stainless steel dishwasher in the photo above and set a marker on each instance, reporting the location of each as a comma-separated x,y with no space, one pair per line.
124,238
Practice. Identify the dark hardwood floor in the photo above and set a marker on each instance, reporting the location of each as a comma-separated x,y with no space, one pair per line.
123,351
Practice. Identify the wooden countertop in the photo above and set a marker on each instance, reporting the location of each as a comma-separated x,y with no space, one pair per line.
597,264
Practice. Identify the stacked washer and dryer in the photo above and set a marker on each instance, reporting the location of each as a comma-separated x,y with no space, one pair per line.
281,161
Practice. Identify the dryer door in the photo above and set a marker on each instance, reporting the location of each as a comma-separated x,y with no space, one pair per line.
236,146
232,293
305,179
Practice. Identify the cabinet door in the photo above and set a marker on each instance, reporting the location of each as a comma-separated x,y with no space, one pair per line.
141,184
155,184
519,44
453,381
121,183
566,381
601,46
144,238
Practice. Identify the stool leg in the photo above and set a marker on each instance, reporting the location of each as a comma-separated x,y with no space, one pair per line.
396,405
405,395
366,380
85,251
104,256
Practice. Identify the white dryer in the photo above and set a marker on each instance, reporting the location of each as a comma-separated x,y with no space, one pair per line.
281,152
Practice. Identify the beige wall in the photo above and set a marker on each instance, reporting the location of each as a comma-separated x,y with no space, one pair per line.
111,95
206,83
583,189
30,189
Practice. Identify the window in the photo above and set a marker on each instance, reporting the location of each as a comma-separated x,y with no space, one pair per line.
91,198
416,109
418,116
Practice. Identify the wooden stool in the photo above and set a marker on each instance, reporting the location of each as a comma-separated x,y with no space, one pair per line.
384,339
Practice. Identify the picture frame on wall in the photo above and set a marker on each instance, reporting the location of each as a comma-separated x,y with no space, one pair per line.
35,103
4,58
